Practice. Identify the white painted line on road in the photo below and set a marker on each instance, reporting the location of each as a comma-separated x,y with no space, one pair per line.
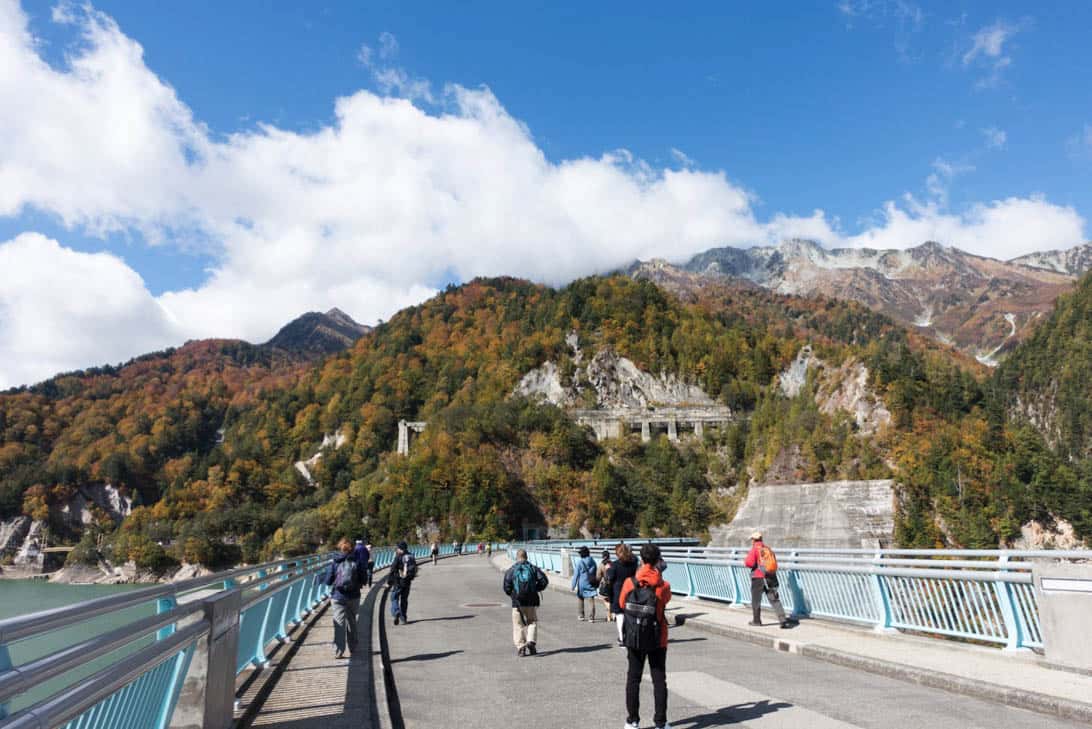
742,706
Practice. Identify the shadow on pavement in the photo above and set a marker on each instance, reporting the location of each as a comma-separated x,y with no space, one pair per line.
449,617
577,649
425,657
673,641
734,714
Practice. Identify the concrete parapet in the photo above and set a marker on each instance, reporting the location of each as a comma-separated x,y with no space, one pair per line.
1064,595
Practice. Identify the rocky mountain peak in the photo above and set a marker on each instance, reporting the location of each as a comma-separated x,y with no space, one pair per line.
318,334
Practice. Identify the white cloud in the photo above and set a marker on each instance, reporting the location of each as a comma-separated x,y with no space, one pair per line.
987,51
939,181
370,213
995,138
62,310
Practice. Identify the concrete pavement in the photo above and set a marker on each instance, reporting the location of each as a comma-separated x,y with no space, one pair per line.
454,666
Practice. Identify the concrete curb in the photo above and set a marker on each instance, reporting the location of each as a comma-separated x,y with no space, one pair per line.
1019,698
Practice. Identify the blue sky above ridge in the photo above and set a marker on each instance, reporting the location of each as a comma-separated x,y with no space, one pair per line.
242,164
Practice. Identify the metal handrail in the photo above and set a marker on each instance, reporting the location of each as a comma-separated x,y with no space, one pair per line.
72,702
25,626
984,595
22,677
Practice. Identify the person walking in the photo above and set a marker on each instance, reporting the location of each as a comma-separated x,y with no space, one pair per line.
345,575
371,563
435,550
403,571
523,582
623,568
585,583
481,548
605,590
762,562
642,600
489,550
362,556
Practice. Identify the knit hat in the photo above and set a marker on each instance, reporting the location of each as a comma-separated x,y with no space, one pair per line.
403,546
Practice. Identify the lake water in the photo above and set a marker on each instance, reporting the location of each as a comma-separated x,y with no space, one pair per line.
19,597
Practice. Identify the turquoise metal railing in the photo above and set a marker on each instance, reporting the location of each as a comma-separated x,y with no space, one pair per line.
981,595
137,670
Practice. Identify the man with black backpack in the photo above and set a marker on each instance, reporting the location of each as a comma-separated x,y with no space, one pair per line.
400,579
762,562
523,582
346,575
644,632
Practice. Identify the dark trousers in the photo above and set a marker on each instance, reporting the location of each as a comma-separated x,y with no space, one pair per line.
400,600
767,586
657,667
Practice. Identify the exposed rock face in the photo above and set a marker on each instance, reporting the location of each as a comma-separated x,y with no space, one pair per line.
613,382
1074,262
334,441
317,334
834,515
1059,535
981,305
77,512
12,535
842,388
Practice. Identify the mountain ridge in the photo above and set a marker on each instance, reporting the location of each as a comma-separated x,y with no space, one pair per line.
983,306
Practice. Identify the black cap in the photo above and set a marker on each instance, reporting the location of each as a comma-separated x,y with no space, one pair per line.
403,546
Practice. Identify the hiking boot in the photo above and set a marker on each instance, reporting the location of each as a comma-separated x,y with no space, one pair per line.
790,623
756,624
665,726
521,652
396,620
531,649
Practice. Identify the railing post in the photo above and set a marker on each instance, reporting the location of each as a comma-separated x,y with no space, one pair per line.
881,596
1014,633
689,575
207,699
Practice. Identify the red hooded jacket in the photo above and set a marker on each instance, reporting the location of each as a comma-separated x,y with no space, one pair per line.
753,561
648,576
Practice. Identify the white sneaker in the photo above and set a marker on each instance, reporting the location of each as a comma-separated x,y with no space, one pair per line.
631,725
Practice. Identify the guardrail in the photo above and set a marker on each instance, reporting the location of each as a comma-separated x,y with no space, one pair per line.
130,676
980,595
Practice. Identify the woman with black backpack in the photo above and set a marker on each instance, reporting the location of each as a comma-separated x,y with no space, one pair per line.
620,570
642,600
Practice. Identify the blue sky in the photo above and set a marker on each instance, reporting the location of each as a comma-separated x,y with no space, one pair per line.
969,122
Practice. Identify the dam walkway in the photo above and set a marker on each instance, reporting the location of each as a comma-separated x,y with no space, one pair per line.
454,665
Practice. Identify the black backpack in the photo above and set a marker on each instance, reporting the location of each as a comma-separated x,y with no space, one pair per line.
409,567
640,624
605,589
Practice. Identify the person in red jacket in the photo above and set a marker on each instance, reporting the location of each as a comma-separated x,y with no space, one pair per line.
763,582
648,576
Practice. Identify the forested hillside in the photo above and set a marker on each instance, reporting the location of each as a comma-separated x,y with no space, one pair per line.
205,438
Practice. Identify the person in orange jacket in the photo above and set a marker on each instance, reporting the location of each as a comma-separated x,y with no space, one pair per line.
764,582
645,638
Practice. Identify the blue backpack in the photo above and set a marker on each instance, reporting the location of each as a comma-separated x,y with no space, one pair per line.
523,581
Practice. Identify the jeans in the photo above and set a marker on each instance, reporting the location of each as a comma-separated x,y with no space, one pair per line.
767,586
657,667
524,626
400,600
345,625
